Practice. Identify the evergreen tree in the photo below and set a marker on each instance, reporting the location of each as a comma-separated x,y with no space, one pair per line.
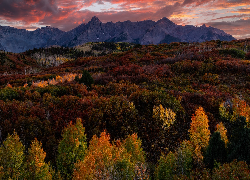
239,142
86,79
216,151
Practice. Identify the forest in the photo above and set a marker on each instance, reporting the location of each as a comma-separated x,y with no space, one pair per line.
126,111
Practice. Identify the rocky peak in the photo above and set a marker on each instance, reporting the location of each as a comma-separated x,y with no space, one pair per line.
95,20
203,26
165,20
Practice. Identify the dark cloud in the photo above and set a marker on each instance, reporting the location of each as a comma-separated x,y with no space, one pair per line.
237,1
245,10
240,16
195,2
168,10
19,8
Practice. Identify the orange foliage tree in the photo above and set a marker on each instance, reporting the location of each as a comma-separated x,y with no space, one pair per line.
223,132
111,161
230,110
199,133
36,167
233,170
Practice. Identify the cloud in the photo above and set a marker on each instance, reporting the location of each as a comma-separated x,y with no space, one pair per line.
244,10
168,10
32,11
231,17
239,29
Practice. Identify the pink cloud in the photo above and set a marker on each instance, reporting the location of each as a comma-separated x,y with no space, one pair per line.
239,28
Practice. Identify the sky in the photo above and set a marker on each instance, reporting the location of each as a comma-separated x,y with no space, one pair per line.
232,16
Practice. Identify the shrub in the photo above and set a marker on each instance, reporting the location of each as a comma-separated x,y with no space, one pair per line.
233,170
8,93
248,55
235,53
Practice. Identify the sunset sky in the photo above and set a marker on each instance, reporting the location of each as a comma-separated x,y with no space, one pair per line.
232,16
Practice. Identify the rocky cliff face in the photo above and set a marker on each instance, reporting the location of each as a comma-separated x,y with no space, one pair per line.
19,40
142,32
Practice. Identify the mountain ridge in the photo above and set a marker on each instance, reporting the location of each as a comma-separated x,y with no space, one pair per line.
140,32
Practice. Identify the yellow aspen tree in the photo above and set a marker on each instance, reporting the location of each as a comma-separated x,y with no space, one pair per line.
106,160
199,133
11,158
223,132
36,167
231,110
164,115
133,144
71,148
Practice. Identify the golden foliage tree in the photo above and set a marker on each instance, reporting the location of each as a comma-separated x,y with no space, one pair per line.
223,132
110,161
71,148
199,133
164,115
98,161
133,144
167,166
11,158
176,165
231,110
36,167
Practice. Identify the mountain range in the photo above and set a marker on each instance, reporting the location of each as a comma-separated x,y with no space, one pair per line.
141,32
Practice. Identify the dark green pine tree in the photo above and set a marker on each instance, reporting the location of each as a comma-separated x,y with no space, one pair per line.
239,142
216,151
85,79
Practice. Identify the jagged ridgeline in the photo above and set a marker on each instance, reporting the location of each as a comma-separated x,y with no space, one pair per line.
141,32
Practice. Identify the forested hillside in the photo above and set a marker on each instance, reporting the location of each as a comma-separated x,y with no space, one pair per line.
124,111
